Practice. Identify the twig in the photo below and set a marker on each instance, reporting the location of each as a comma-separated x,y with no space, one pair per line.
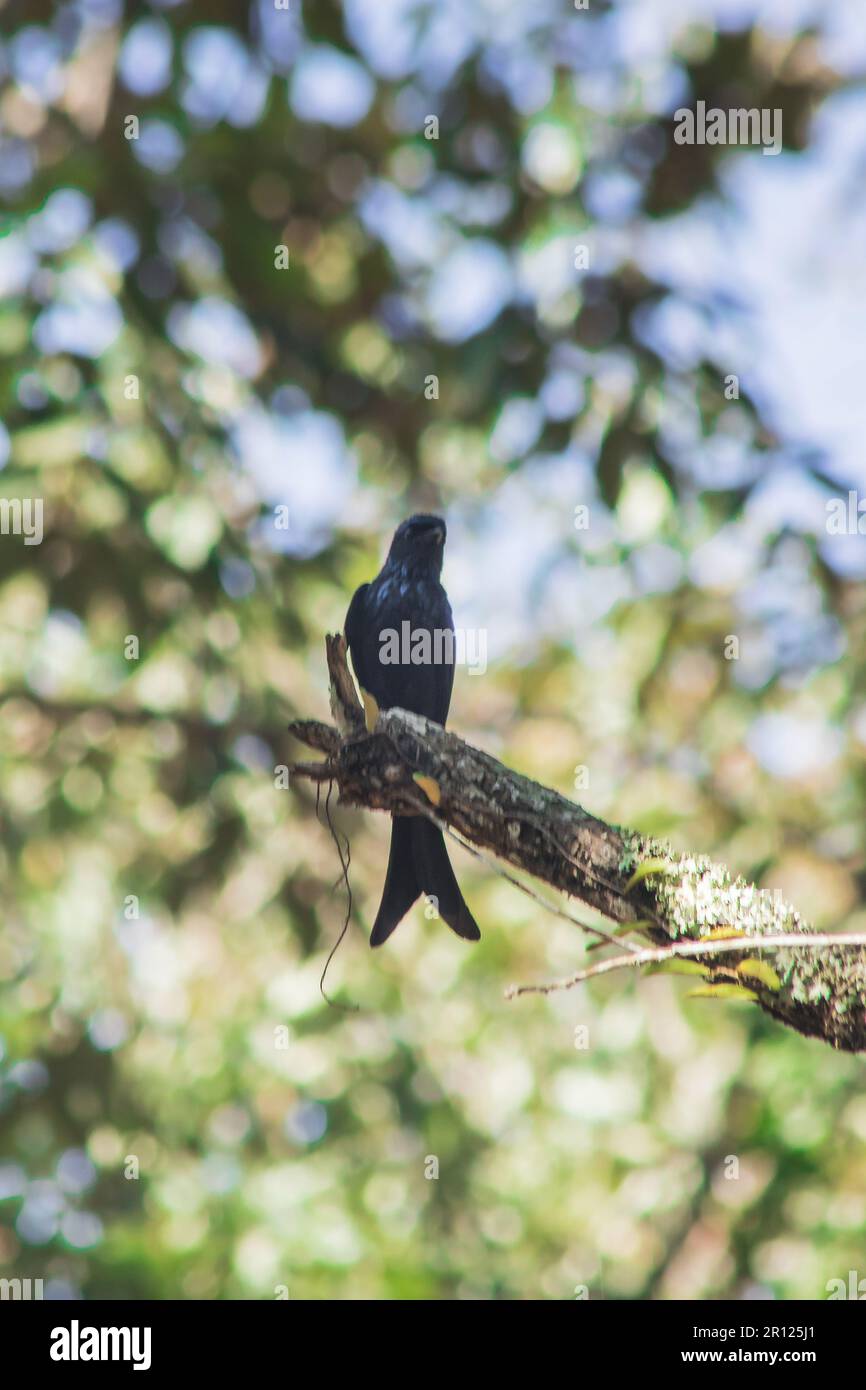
684,950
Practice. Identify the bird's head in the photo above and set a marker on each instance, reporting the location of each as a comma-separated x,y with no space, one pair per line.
419,541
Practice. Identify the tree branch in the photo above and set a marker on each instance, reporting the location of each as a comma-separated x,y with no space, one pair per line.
814,985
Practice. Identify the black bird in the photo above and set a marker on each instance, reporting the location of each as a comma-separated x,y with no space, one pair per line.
407,591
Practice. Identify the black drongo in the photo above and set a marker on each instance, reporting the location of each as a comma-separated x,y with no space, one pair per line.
403,614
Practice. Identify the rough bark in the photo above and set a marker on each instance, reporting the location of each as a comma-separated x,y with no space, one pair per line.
820,992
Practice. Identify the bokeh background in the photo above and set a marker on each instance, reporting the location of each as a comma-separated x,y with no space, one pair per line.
223,448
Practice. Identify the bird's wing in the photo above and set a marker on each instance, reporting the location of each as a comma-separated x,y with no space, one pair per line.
355,619
442,675
445,685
